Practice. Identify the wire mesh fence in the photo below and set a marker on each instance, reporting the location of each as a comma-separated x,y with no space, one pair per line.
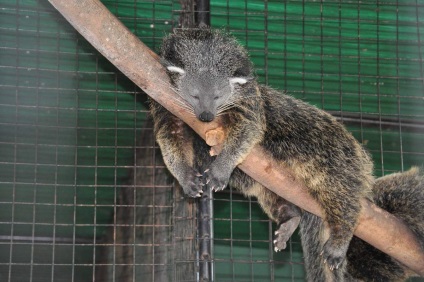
84,194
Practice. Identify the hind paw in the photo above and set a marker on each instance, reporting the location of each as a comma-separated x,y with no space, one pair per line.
284,232
280,241
334,255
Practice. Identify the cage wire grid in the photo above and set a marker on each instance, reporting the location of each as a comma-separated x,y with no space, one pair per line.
83,191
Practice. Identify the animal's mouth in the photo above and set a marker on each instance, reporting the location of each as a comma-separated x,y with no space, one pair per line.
206,116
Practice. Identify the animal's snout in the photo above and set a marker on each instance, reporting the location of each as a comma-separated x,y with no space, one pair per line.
206,116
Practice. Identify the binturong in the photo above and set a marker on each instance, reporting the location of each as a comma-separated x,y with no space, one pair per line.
212,76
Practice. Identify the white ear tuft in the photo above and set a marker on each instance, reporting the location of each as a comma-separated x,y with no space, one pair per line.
238,80
176,69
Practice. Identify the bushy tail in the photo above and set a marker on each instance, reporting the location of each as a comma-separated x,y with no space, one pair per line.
401,194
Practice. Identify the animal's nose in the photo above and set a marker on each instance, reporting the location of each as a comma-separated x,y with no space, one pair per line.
206,116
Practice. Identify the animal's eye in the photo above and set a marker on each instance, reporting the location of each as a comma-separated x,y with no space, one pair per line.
194,93
216,97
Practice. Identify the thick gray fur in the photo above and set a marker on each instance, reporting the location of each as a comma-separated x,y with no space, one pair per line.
215,78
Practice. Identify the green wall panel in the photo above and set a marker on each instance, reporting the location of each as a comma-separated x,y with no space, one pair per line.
69,120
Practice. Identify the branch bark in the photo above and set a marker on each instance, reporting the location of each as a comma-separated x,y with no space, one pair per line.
108,35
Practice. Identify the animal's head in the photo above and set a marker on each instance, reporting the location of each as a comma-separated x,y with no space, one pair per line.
208,69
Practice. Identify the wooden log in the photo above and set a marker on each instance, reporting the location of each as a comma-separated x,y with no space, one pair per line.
108,35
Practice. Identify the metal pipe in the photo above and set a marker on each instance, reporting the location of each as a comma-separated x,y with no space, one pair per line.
205,206
203,13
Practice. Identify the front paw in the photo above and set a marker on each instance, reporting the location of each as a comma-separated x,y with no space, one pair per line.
216,179
192,183
334,254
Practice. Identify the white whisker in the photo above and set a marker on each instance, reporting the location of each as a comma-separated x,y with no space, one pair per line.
178,98
236,102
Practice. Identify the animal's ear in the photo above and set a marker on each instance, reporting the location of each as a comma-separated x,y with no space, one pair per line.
245,67
168,52
176,70
238,80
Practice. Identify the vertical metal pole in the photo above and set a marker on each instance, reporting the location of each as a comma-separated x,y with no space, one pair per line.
205,210
203,14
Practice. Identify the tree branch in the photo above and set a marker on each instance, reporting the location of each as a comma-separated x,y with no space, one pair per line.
108,35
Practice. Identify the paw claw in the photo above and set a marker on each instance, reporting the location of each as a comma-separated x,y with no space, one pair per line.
337,266
220,188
